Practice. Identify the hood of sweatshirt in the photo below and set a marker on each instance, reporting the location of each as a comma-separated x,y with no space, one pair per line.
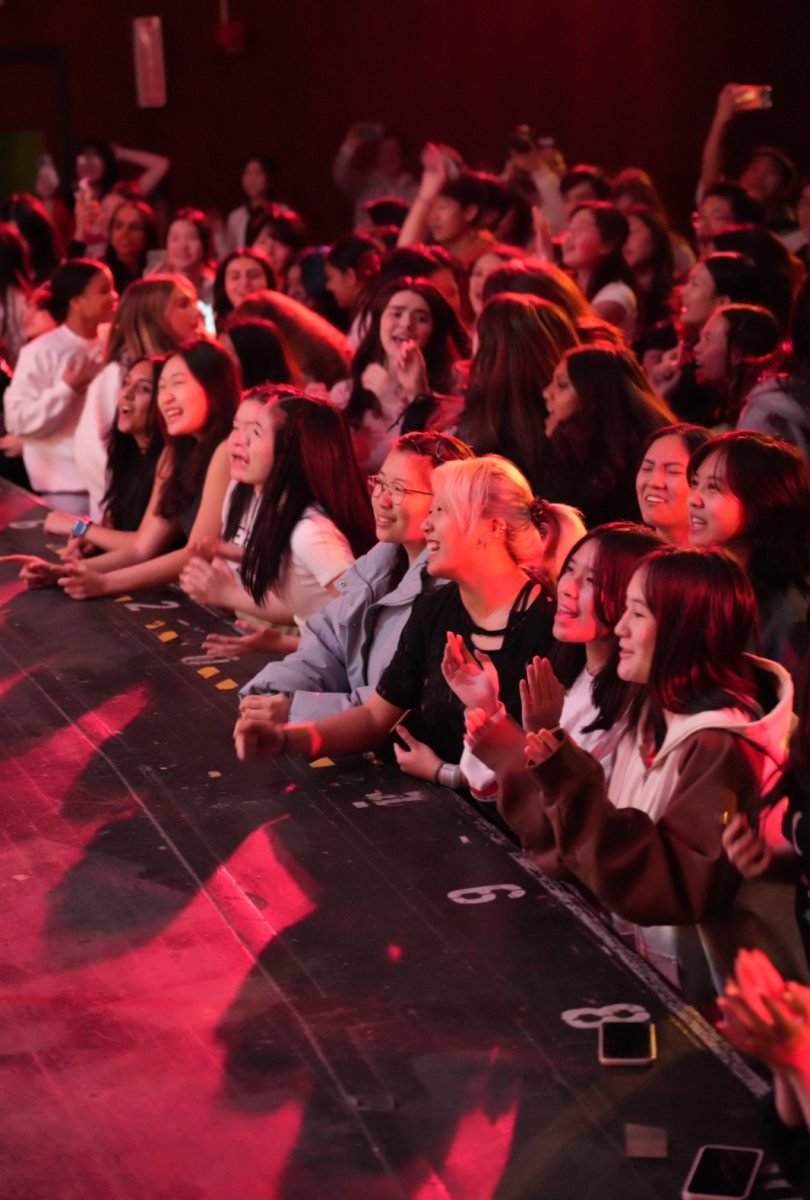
770,733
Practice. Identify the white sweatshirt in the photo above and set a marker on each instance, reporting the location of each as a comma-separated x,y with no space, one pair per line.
42,410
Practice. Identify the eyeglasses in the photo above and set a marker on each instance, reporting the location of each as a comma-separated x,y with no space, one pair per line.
377,485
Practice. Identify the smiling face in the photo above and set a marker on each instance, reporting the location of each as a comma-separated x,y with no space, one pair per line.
561,400
183,318
135,399
406,317
184,248
582,245
450,543
181,399
636,633
243,276
576,619
698,296
251,443
711,352
716,516
662,488
401,523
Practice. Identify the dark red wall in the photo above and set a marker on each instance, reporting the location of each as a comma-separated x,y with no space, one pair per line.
617,81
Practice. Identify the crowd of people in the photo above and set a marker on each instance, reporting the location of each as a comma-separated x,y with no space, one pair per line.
509,483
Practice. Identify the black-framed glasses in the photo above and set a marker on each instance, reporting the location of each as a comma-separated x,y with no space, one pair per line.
377,485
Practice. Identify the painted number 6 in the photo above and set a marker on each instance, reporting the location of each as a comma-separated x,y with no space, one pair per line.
483,895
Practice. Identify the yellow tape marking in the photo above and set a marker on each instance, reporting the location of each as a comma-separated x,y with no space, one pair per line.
227,685
168,636
208,672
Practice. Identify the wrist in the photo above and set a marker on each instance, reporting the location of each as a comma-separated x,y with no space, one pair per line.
80,526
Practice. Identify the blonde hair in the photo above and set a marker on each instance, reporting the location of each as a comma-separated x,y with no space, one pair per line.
139,326
539,535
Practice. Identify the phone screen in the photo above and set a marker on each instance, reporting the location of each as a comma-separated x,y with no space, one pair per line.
626,1040
723,1171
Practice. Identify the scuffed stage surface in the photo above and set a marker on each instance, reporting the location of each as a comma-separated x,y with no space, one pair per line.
225,982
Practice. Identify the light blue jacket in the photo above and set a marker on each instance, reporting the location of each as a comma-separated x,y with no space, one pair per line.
328,673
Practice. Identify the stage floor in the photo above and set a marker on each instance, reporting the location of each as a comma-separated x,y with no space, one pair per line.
292,980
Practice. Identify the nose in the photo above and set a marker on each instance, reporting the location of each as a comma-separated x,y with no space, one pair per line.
568,587
621,627
694,500
427,524
385,498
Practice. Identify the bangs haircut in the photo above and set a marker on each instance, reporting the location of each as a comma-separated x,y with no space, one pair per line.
703,603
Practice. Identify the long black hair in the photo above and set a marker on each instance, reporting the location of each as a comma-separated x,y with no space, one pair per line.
447,343
212,367
130,470
620,547
313,464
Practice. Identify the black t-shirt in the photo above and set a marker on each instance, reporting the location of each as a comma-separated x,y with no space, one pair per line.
413,679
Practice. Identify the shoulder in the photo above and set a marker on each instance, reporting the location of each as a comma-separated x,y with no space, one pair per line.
616,292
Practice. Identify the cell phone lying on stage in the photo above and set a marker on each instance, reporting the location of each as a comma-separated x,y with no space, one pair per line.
627,1043
722,1173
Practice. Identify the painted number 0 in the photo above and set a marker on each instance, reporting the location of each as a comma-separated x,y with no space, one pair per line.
483,895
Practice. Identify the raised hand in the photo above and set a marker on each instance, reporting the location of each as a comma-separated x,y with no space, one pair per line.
766,1017
80,373
376,379
473,679
411,370
541,696
540,747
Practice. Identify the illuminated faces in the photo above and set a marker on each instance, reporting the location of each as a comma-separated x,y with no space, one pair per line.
636,632
575,619
251,443
662,487
716,516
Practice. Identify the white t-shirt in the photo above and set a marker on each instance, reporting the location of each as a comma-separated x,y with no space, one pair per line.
90,438
620,293
319,553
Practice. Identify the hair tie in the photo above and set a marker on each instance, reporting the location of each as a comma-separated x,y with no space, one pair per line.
539,511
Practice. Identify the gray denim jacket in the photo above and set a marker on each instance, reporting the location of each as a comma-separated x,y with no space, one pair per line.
328,673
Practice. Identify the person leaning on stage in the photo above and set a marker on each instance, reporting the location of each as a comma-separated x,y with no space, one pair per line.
483,532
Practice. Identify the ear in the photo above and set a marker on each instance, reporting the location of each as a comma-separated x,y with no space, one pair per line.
471,214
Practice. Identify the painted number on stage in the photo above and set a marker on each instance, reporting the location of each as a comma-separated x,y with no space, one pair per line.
486,893
162,604
590,1018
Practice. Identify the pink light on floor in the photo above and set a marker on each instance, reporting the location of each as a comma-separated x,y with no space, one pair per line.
478,1153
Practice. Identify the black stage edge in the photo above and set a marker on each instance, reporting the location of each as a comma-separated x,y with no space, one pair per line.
292,980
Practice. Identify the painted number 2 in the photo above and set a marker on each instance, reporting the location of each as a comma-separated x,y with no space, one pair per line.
483,895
